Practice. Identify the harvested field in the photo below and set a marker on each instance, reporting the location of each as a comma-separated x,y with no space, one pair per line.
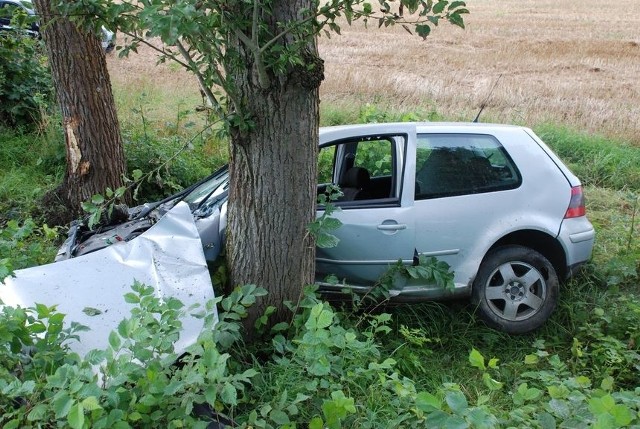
575,62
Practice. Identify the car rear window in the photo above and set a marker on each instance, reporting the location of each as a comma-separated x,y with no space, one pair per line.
459,164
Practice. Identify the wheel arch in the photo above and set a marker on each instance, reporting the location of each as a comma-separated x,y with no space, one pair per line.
542,243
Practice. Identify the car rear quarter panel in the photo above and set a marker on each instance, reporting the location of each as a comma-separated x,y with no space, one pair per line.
472,224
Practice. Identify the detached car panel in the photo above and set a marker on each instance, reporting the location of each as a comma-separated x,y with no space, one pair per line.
492,201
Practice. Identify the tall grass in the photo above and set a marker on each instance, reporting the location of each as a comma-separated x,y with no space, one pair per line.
597,160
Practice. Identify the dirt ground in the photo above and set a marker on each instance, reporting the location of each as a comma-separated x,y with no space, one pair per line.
574,62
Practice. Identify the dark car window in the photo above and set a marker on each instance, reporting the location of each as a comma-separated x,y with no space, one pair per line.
6,12
458,164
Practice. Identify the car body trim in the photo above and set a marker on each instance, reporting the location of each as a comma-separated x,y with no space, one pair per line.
579,237
369,262
440,252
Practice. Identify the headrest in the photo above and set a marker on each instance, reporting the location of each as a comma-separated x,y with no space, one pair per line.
356,177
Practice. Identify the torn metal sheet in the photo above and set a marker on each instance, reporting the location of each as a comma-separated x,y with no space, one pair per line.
168,256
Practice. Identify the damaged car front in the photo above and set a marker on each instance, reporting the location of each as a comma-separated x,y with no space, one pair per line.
206,199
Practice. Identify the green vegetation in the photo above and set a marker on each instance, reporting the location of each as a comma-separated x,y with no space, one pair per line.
432,364
25,81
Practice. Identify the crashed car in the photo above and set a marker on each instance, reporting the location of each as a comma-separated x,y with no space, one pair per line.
492,201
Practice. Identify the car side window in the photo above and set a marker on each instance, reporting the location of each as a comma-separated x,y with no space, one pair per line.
326,159
459,164
364,168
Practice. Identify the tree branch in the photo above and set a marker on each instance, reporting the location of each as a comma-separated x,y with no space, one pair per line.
203,86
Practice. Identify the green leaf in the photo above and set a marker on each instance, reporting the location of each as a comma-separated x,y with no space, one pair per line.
476,359
97,199
456,19
114,340
90,403
76,416
546,421
37,413
229,395
490,382
438,8
531,359
607,384
61,405
427,402
601,405
90,311
15,423
558,392
622,415
423,30
131,298
457,401
279,417
326,241
316,423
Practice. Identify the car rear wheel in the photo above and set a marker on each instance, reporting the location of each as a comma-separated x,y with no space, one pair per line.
516,289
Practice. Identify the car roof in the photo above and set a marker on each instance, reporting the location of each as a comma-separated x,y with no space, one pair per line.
336,132
25,4
427,126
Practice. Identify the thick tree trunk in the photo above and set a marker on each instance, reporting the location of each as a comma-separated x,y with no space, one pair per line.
95,156
273,178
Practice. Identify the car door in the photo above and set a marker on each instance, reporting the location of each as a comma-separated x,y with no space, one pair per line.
466,188
378,226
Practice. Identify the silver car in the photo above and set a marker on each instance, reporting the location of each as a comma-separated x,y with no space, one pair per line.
492,201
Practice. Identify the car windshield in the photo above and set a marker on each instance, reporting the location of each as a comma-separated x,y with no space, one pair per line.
210,189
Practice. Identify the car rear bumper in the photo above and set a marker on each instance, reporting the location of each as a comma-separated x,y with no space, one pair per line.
577,237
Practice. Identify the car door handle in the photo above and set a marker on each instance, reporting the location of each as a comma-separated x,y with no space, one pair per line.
392,227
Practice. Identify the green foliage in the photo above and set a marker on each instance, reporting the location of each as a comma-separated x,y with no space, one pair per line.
214,40
321,227
324,368
26,88
172,161
24,245
143,381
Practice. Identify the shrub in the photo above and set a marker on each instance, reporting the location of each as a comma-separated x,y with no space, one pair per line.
26,87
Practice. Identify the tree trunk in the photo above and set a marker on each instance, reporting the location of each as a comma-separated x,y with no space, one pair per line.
95,156
273,180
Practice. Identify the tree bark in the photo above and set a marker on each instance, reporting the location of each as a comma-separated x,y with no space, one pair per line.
272,194
95,156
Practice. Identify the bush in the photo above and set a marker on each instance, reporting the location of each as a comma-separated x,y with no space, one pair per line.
26,88
189,163
324,369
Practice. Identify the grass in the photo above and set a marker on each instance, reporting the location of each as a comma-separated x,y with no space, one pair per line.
597,160
32,164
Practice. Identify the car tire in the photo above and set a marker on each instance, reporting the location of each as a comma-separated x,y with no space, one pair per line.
516,289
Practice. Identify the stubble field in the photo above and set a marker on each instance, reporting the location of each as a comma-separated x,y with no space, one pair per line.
575,63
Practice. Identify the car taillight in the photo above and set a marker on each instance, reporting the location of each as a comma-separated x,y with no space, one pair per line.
576,204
